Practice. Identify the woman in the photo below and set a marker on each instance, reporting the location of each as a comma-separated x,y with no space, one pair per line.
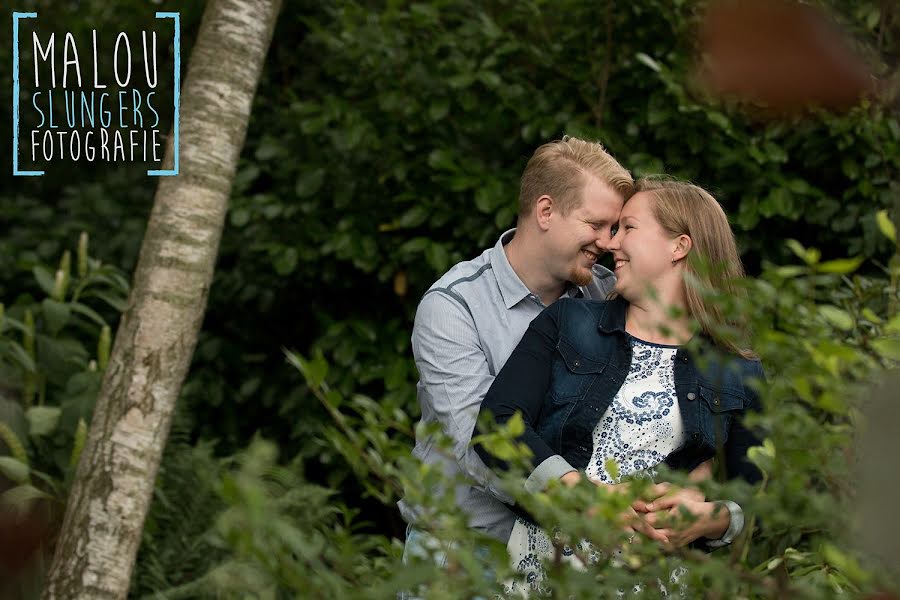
596,380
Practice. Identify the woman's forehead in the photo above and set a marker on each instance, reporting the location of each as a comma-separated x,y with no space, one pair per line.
637,205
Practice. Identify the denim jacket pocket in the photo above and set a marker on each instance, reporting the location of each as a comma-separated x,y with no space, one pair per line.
572,372
719,408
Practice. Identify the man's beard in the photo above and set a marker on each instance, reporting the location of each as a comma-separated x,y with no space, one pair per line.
581,276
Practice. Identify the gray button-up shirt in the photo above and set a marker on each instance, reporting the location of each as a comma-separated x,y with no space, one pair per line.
466,326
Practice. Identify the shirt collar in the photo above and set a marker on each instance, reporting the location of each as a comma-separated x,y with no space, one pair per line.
511,287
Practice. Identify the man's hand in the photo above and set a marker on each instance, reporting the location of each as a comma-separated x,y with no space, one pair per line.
710,519
631,520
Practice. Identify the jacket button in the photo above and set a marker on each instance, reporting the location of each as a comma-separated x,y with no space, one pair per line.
695,436
691,396
577,363
684,359
716,401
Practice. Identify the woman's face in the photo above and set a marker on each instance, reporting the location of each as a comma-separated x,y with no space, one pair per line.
643,252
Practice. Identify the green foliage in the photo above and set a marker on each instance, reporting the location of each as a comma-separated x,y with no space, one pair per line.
177,544
53,349
819,330
367,174
386,144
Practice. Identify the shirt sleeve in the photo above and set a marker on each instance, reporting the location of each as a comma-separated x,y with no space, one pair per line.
453,377
521,386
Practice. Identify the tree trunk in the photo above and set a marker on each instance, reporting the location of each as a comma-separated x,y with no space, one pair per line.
113,485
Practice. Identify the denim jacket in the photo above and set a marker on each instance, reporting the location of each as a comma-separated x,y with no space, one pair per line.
569,366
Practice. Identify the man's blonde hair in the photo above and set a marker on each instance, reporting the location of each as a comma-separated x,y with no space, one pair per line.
560,170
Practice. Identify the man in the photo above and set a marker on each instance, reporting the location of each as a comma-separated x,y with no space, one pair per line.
469,321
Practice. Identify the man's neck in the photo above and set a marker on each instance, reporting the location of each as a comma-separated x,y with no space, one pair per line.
528,263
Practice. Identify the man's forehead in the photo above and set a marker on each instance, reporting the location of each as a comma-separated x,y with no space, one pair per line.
601,205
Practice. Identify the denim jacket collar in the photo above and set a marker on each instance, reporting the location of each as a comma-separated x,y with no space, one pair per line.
612,319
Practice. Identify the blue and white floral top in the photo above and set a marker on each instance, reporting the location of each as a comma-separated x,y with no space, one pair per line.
643,424
641,427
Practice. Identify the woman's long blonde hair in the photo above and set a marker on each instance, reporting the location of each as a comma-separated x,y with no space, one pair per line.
682,208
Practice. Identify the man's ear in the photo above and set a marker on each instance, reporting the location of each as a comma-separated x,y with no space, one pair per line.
543,210
683,245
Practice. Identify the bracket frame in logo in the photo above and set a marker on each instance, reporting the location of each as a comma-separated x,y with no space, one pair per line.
176,94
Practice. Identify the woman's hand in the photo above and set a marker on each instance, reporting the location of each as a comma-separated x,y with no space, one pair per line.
710,519
672,494
632,521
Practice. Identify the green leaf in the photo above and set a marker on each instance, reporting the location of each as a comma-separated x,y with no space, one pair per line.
886,226
414,246
437,256
56,315
268,149
845,563
888,347
797,248
515,426
45,279
413,217
870,315
442,160
14,469
88,312
461,81
841,266
286,261
893,325
718,119
791,271
20,356
309,183
490,79
439,109
837,317
42,420
645,59
239,217
612,467
314,369
19,498
873,17
114,300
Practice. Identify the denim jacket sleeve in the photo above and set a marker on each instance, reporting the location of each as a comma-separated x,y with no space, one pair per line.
740,438
521,386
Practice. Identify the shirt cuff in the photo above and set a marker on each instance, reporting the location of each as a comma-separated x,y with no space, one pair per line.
552,468
735,527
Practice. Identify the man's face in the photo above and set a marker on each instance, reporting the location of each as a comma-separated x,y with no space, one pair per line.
578,238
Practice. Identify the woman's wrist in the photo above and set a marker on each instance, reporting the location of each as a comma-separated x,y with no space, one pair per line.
718,520
571,478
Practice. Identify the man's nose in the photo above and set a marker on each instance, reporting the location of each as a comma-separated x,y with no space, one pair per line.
604,237
612,242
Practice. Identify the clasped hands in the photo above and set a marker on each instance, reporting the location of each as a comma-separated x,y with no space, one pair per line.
659,515
662,518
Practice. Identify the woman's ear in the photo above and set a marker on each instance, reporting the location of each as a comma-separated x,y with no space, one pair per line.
683,245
